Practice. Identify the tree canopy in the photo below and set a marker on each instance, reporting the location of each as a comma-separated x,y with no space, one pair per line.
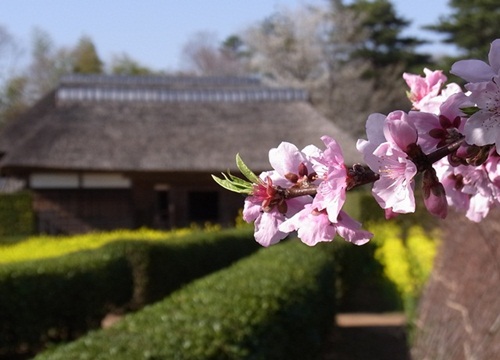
384,43
85,58
125,65
471,26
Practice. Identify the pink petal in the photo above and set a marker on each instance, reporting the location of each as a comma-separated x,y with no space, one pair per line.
494,56
285,158
472,70
266,228
349,229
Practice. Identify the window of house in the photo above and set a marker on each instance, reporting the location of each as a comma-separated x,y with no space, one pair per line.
163,208
203,206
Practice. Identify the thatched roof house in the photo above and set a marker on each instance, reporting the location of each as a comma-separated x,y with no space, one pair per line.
116,151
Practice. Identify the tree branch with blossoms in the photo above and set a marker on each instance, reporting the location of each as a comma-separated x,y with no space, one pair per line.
451,137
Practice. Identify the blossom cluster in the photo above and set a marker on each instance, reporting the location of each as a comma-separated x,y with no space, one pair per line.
450,139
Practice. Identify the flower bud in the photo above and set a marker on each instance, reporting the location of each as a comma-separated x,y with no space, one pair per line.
434,194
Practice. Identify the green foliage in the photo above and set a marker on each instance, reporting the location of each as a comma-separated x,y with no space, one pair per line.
394,266
471,25
276,304
362,285
124,65
385,44
85,58
236,184
59,298
16,215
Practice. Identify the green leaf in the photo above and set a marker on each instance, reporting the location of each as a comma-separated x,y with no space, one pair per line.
245,170
237,185
236,181
471,110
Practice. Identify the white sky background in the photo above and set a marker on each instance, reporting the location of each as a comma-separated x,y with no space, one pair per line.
153,32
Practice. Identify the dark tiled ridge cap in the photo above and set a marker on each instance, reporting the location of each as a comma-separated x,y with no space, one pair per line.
157,80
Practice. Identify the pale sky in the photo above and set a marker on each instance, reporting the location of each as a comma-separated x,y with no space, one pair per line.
154,31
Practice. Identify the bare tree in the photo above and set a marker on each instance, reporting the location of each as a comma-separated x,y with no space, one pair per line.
287,47
11,85
203,55
48,64
9,53
311,48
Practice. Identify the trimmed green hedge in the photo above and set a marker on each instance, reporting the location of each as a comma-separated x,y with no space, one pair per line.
276,304
62,298
16,215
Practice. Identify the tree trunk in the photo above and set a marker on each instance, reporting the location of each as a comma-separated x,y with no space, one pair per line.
459,313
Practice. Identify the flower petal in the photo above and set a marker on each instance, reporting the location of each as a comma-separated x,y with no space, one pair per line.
472,70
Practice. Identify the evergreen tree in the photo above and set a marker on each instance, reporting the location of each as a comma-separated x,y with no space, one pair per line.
383,44
472,26
85,58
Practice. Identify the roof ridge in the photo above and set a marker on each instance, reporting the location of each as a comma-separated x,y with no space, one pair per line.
106,79
96,93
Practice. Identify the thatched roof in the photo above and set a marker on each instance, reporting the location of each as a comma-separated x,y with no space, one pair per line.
101,123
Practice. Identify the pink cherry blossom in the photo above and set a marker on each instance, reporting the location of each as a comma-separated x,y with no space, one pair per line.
483,194
374,133
314,226
287,159
420,86
492,166
443,128
423,89
265,207
483,127
399,130
395,188
468,188
330,167
266,215
478,71
452,181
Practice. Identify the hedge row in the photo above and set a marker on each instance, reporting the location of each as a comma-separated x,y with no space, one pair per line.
61,298
276,304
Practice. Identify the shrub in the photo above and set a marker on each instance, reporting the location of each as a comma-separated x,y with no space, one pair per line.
59,299
407,258
276,304
54,299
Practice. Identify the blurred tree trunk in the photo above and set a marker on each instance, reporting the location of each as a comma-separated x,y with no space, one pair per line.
459,314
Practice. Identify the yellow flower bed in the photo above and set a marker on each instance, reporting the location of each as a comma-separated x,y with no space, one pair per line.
407,258
40,247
